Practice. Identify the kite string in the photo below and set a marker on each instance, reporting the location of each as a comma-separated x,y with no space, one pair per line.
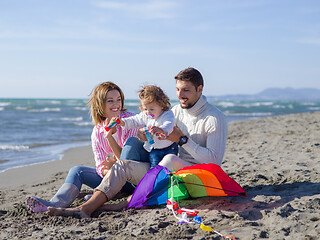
171,200
202,226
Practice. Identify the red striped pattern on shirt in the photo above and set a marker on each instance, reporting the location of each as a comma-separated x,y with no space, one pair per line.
100,145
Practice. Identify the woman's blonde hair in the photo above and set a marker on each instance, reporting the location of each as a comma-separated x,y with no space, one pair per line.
97,102
152,93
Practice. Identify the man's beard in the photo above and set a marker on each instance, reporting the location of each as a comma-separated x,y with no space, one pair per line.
188,106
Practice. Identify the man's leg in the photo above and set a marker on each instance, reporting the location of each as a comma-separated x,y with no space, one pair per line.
173,162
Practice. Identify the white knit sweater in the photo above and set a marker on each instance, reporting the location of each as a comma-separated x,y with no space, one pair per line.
207,129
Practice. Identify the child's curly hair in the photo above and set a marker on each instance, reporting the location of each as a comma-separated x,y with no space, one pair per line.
151,93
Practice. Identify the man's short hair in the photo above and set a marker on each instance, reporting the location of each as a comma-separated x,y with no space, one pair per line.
192,75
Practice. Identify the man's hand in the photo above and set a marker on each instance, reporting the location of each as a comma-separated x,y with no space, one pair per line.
175,134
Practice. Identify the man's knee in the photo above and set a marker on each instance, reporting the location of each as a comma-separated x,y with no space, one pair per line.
167,160
173,162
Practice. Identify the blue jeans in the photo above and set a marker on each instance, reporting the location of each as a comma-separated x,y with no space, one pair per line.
156,155
79,175
133,150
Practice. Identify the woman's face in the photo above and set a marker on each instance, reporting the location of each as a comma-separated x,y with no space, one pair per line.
113,104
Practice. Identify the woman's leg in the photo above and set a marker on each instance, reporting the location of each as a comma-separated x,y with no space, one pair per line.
79,175
83,211
121,172
66,194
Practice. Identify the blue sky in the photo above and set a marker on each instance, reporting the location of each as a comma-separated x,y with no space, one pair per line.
64,48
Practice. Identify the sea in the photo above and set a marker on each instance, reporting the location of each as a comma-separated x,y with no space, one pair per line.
41,130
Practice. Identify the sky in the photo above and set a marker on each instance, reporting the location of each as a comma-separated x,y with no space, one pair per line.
64,48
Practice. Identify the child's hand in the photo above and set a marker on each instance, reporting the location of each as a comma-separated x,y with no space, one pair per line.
157,131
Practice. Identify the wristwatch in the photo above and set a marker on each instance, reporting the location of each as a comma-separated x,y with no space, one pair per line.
183,140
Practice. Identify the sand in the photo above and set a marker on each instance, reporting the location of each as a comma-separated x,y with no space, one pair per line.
276,161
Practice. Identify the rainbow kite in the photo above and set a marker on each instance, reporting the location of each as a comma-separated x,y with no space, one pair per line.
199,180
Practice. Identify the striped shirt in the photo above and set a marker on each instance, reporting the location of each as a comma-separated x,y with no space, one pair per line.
100,145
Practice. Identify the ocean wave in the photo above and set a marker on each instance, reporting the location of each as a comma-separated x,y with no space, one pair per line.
314,108
46,110
21,108
81,108
277,106
254,114
255,104
14,147
308,103
4,104
226,104
130,104
1,108
75,103
71,119
47,101
83,124
35,145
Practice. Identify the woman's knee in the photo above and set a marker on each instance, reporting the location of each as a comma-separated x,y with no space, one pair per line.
76,170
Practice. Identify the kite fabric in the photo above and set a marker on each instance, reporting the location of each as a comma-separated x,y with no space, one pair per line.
200,180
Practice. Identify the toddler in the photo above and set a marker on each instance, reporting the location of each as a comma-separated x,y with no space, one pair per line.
158,120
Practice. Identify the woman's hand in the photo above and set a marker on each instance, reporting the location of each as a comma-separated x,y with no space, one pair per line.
107,164
112,130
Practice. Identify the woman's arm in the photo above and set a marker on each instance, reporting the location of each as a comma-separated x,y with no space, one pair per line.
116,149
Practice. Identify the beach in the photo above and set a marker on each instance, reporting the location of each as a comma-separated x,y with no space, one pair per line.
275,160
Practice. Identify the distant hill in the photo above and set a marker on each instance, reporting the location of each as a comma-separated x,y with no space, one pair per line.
280,94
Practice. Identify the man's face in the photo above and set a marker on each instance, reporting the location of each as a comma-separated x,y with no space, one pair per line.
187,93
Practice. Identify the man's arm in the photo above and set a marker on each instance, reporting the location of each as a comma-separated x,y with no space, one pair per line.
215,144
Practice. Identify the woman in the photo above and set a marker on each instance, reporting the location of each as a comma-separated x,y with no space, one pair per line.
106,103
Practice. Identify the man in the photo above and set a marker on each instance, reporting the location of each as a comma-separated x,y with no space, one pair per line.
201,130
201,133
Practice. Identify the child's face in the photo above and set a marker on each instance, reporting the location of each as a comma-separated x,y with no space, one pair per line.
152,110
